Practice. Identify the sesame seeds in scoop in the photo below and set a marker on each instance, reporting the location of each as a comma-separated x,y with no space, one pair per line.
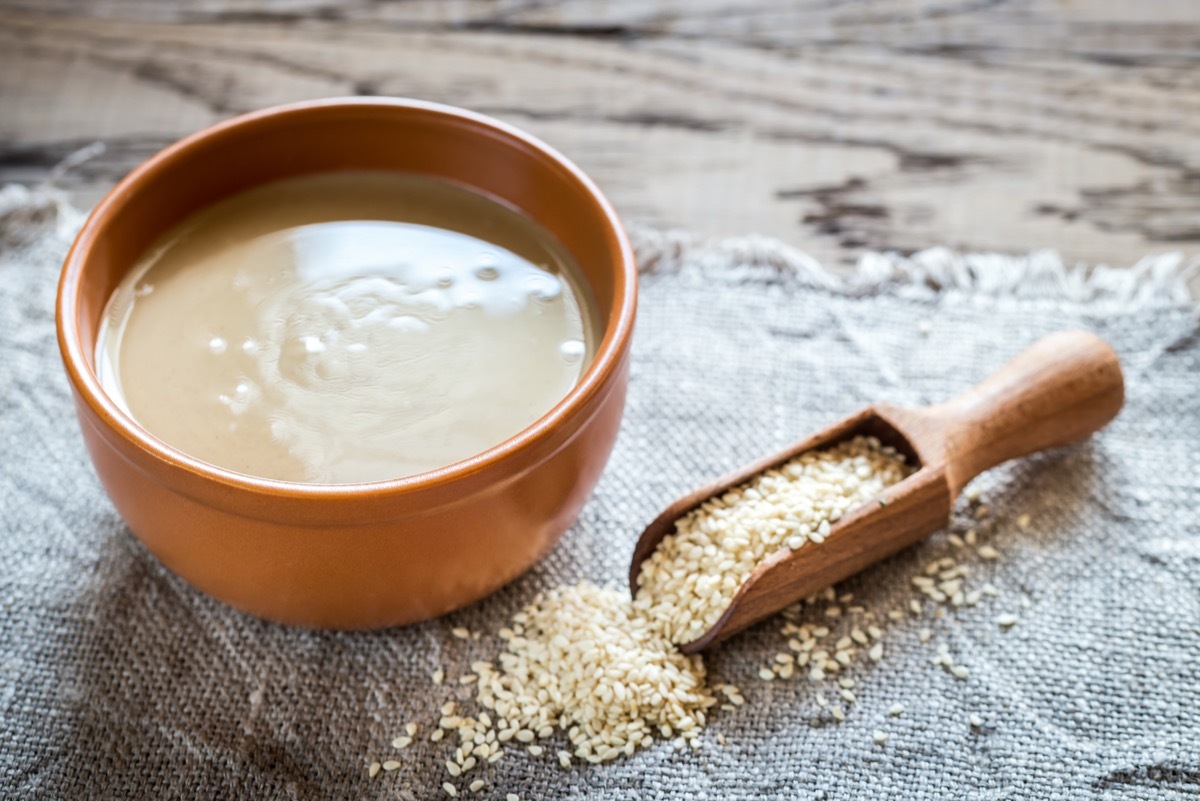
693,575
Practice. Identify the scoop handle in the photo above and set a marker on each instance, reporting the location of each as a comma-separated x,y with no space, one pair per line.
1061,389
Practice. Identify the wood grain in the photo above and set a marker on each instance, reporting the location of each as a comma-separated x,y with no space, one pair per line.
888,124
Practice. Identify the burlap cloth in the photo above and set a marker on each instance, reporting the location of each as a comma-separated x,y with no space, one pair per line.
117,680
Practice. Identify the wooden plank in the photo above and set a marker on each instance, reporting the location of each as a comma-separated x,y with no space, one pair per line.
892,124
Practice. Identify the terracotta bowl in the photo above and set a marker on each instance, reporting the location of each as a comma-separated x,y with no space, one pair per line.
356,555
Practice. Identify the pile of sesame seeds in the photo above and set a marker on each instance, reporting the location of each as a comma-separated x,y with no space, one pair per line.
590,667
690,579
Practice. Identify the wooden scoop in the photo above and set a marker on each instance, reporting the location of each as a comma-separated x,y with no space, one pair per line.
1060,390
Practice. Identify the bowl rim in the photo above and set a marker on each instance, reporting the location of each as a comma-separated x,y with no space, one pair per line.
618,327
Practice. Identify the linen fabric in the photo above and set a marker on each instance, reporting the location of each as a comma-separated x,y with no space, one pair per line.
118,680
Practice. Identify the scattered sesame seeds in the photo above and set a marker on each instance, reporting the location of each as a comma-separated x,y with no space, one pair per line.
603,670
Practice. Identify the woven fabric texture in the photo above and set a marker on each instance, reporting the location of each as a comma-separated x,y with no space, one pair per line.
117,680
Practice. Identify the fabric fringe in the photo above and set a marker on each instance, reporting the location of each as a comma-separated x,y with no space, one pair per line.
1156,280
27,213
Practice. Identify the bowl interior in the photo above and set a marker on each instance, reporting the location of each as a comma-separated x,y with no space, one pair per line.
372,133
354,134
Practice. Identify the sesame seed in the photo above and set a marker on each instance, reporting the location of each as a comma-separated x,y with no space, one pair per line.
975,721
476,785
960,672
602,669
809,492
512,797
391,765
1006,620
374,769
1023,522
880,737
896,710
988,552
450,789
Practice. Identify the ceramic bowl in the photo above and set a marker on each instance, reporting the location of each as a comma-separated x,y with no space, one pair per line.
356,555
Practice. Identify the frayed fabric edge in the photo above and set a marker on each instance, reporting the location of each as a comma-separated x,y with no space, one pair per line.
27,213
30,213
1041,276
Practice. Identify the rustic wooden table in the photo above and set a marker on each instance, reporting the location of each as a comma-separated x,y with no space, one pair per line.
836,125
